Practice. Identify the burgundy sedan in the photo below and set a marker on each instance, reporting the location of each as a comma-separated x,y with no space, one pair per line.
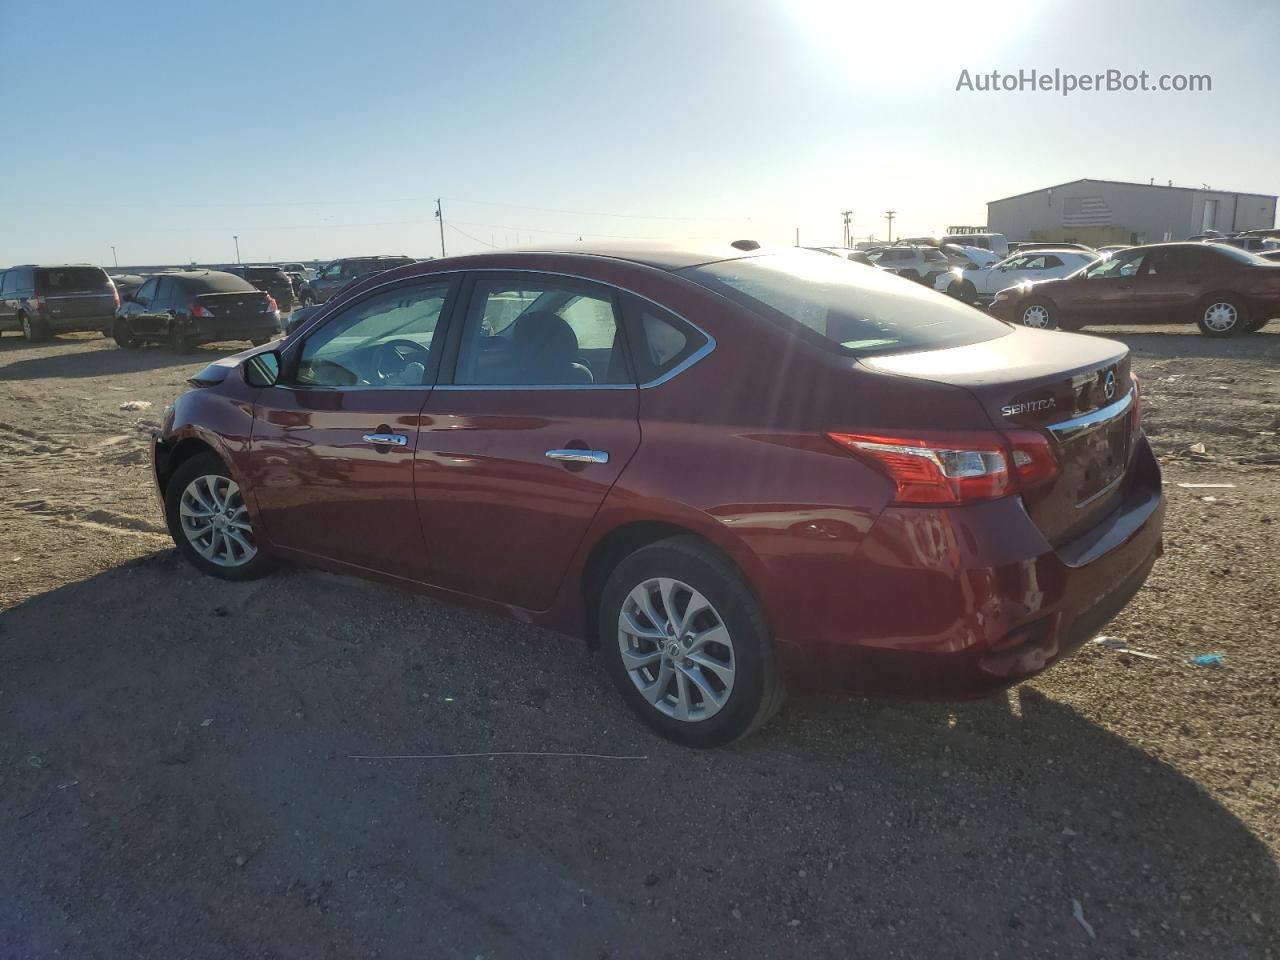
734,471
1224,290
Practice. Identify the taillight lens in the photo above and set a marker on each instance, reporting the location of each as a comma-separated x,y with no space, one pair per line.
38,302
200,310
115,293
956,467
271,306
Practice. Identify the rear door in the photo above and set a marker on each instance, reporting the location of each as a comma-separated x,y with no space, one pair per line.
142,311
77,295
518,449
332,453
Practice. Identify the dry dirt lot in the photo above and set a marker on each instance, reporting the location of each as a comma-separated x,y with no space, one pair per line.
176,772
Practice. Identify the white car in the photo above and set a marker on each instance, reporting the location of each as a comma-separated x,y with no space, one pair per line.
981,284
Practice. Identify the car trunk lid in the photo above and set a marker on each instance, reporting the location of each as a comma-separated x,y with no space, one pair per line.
1076,390
234,307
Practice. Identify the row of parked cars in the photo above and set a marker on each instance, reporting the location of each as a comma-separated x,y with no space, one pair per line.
181,308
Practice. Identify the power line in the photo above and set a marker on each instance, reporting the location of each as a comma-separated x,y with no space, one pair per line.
470,237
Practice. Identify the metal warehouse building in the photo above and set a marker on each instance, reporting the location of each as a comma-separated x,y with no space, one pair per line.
1111,211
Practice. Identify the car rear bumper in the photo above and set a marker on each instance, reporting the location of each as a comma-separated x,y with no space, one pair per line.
960,603
255,329
69,324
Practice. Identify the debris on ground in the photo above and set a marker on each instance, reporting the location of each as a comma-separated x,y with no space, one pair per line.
1077,911
1120,645
1208,660
1207,486
136,405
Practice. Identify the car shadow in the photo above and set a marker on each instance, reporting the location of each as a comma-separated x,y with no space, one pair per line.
110,361
199,746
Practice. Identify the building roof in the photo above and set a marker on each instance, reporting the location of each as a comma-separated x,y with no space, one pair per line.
1128,183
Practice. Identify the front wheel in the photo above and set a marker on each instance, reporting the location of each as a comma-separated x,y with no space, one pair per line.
124,336
1038,315
209,521
686,644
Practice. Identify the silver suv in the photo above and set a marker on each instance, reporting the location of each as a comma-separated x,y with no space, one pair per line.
914,262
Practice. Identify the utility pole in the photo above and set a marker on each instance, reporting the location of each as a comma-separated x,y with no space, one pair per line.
848,237
888,215
114,258
797,236
440,217
237,240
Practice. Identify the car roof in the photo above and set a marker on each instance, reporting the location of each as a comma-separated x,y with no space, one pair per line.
1035,250
663,256
191,274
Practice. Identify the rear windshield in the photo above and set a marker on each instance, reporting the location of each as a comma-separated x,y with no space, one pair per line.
266,273
859,310
217,283
67,279
1235,253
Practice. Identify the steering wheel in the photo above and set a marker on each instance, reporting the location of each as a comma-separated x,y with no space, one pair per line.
392,358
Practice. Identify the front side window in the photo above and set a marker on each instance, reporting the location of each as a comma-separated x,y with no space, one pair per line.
10,282
540,331
1123,264
383,341
861,312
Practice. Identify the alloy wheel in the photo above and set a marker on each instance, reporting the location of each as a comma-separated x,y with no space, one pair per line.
676,649
26,327
216,521
1221,316
1036,316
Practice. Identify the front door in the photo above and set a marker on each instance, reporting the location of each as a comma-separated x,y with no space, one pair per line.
519,450
332,454
1105,292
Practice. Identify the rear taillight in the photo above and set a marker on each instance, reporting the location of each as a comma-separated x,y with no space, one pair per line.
116,294
271,306
38,302
956,467
200,310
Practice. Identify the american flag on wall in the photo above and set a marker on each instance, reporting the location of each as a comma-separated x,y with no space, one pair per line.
1085,212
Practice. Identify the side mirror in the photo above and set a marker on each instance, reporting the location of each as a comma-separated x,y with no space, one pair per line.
262,369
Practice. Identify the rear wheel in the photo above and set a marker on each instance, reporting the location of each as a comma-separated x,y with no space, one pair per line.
179,342
686,644
964,291
124,336
1257,324
34,329
1222,316
1037,314
209,521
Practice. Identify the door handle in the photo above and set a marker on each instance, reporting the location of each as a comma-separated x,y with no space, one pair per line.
579,456
387,439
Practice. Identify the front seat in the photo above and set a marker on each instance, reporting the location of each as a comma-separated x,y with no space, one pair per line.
546,350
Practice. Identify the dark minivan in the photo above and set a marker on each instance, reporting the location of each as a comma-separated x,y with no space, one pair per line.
42,301
194,307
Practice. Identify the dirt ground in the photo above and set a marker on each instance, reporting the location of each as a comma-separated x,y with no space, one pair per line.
176,772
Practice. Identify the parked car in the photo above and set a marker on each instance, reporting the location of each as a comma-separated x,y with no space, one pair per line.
1036,245
192,307
305,313
335,275
967,257
995,242
980,284
1224,290
734,471
299,268
845,253
40,301
270,280
920,263
126,283
1273,255
1108,249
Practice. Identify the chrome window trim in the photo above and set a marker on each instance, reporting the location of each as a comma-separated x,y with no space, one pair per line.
674,372
1086,422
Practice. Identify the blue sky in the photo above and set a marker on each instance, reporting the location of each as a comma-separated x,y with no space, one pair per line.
317,130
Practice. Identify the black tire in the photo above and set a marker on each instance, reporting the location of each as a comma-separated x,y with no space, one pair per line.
179,342
259,341
1031,310
1212,312
122,333
964,291
910,275
306,298
205,464
1256,324
757,691
34,329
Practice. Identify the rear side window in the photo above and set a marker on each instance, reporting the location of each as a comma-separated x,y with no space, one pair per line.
660,341
860,312
69,279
